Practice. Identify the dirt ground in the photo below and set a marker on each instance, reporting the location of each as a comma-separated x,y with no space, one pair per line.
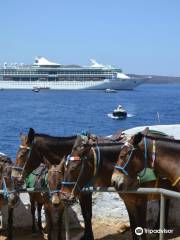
102,231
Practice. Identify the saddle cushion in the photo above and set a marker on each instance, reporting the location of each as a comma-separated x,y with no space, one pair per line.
37,179
148,177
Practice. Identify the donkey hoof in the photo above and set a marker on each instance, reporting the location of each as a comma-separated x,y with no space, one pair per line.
45,236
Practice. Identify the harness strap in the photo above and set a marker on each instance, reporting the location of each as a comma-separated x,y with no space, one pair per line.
24,147
153,153
5,190
97,160
145,158
77,158
76,185
176,181
68,183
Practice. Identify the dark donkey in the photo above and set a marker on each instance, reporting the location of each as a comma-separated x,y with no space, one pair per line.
9,195
34,149
93,165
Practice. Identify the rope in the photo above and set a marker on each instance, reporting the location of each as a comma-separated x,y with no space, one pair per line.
176,181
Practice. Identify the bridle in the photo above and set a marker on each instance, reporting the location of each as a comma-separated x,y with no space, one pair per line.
29,148
18,168
83,159
130,152
129,158
51,192
142,172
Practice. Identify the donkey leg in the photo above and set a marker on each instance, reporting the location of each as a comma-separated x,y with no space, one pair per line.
10,222
49,223
60,220
39,208
33,209
137,214
140,215
86,208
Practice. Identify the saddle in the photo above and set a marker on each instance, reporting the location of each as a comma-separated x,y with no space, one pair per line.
38,178
116,137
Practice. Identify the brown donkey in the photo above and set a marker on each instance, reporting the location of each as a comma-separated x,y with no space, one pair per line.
54,179
93,165
34,149
46,180
9,196
142,152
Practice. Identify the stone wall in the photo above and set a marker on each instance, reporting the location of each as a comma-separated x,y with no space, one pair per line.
106,206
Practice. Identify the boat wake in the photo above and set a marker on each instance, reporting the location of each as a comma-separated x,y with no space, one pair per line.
110,115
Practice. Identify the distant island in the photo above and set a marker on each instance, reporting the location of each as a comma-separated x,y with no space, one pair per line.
158,79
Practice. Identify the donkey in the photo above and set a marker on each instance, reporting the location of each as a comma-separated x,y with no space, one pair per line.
142,151
45,180
93,165
34,149
9,196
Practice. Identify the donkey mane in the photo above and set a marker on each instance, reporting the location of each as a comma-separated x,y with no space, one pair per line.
54,138
162,139
110,144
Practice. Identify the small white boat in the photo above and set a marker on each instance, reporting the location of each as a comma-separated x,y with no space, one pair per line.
35,89
119,112
109,90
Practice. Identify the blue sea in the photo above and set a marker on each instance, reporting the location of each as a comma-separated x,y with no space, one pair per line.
64,113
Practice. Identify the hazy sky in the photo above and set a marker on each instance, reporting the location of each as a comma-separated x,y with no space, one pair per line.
140,36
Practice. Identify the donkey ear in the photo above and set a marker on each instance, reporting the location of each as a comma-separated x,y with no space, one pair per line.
30,136
145,131
61,164
22,137
137,138
47,163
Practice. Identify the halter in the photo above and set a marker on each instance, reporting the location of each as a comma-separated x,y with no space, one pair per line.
29,154
69,159
97,160
51,192
123,168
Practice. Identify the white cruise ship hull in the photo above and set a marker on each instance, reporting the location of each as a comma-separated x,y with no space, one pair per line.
118,84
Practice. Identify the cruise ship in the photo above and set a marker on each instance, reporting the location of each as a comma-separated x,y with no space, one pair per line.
49,75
